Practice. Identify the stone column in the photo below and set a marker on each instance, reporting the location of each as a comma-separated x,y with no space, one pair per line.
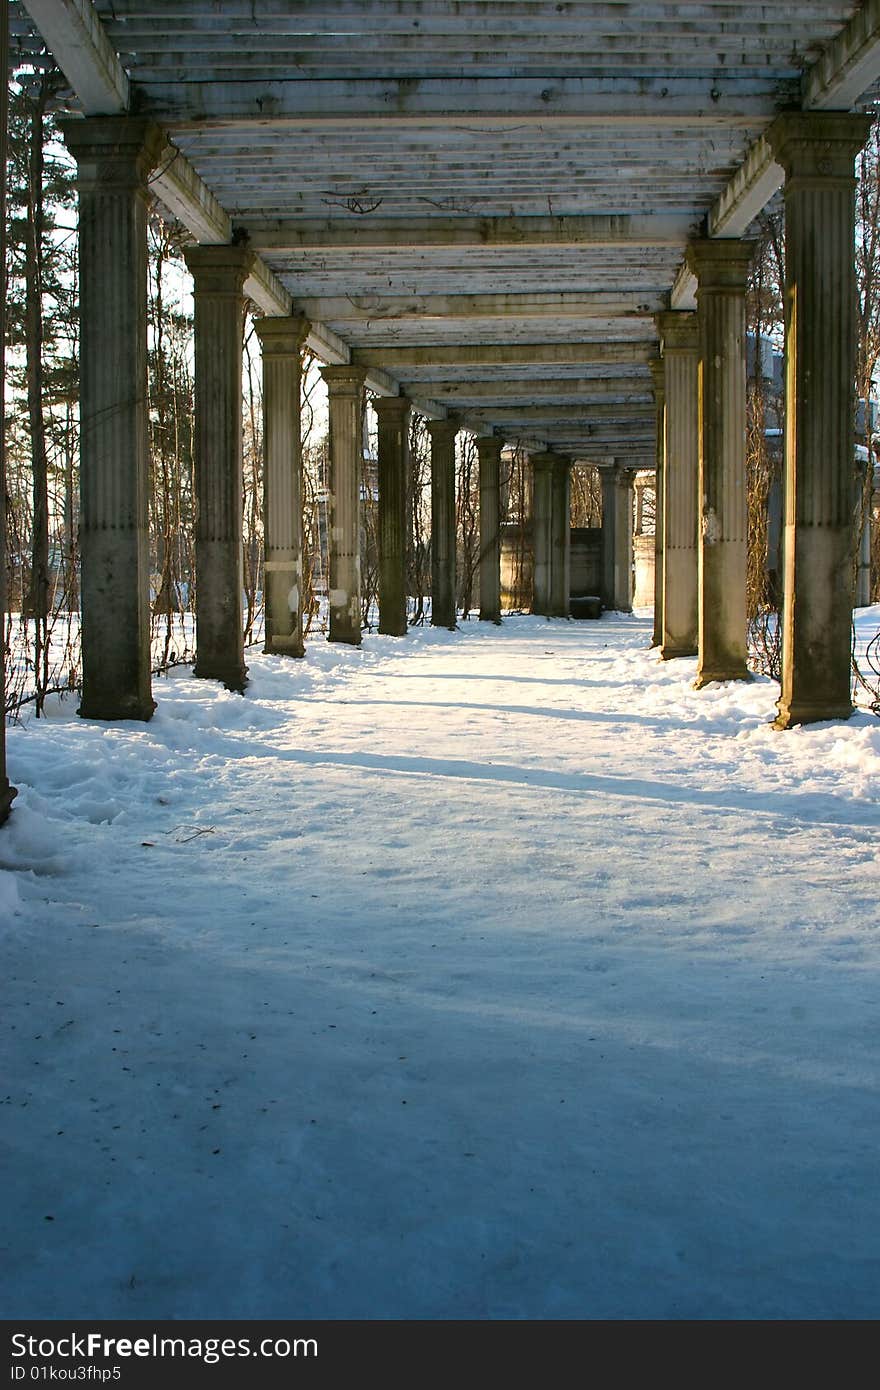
345,386
817,150
543,466
721,268
658,379
623,543
609,517
114,156
281,340
219,274
679,336
443,434
393,414
489,453
7,792
560,540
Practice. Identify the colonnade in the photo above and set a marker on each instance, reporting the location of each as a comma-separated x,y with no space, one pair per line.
701,400
699,386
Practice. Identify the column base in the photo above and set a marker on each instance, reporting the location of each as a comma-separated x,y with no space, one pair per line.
392,630
233,677
131,707
7,796
670,653
349,639
490,618
711,677
284,646
805,713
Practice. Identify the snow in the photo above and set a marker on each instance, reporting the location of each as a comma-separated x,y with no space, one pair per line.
488,974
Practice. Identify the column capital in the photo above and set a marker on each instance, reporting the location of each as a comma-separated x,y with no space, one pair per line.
489,444
818,146
219,270
679,331
344,380
548,459
282,336
113,151
444,429
624,477
721,266
394,409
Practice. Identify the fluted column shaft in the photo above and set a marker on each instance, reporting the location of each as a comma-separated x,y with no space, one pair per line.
489,454
281,341
721,268
658,379
114,158
560,539
219,274
817,151
443,433
543,466
345,386
623,539
393,413
679,336
7,792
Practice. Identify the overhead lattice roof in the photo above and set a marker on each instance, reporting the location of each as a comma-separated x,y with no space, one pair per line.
483,194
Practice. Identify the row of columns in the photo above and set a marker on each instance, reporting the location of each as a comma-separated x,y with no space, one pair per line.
700,393
702,526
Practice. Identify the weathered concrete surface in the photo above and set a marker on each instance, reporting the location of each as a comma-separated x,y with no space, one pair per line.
721,268
345,386
281,340
489,453
219,274
393,413
443,433
679,335
115,156
817,154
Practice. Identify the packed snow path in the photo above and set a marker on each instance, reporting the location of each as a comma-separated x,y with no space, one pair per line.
489,974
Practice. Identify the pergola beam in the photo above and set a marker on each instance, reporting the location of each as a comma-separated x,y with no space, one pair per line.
76,38
849,65
563,390
372,307
500,354
359,232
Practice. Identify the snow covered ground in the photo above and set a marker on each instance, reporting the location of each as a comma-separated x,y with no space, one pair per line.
489,974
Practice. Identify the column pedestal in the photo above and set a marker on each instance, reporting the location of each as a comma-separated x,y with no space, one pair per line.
721,268
393,414
489,454
443,434
345,386
817,150
219,274
114,156
281,341
679,337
